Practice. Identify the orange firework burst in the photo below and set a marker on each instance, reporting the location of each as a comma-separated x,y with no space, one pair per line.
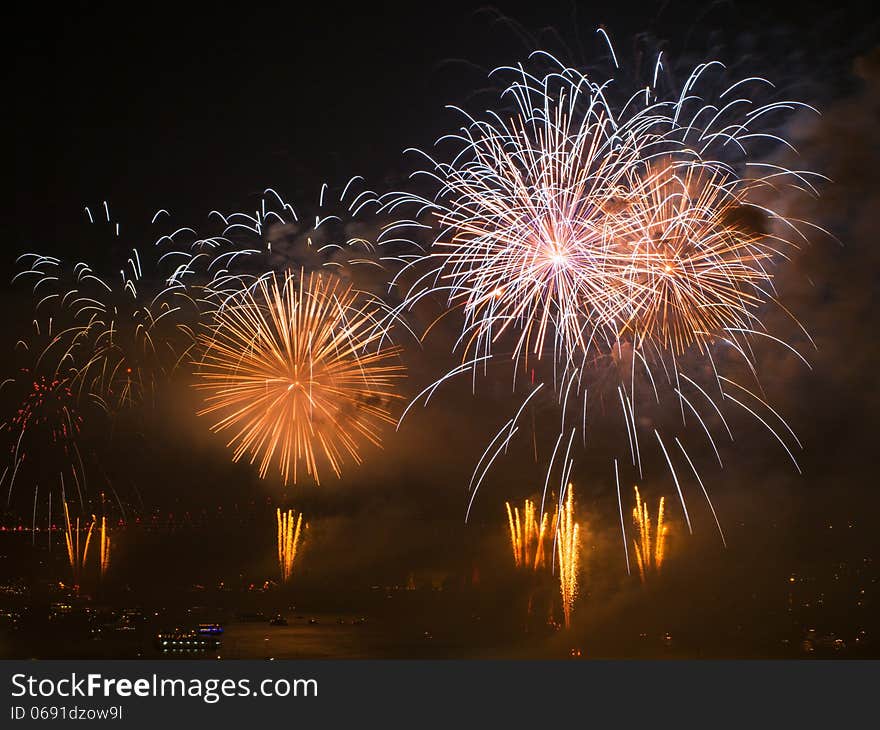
294,369
692,267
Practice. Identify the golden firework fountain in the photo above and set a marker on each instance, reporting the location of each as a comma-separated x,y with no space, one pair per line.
527,535
649,557
568,555
104,554
77,551
290,527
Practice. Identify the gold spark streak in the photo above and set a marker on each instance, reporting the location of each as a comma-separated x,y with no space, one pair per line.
289,534
104,548
648,559
527,535
76,556
568,553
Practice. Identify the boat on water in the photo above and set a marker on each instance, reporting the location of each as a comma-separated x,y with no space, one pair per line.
185,641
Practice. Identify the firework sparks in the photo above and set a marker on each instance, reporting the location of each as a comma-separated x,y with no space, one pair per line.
290,525
77,554
524,245
118,334
648,557
44,433
104,554
295,372
528,535
568,555
336,235
691,269
612,236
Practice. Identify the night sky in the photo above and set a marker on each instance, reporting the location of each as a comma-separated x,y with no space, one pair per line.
193,110
189,110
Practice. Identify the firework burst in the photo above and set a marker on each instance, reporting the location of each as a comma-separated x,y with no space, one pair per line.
120,334
690,270
614,235
523,229
294,372
338,234
43,434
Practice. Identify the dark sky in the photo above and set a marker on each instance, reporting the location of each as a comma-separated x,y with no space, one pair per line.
153,106
194,107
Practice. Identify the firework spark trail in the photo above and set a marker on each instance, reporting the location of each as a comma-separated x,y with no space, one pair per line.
689,273
530,538
338,235
43,435
113,336
575,219
648,557
620,510
77,556
525,224
104,556
528,535
625,234
568,555
294,371
120,333
105,339
289,531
